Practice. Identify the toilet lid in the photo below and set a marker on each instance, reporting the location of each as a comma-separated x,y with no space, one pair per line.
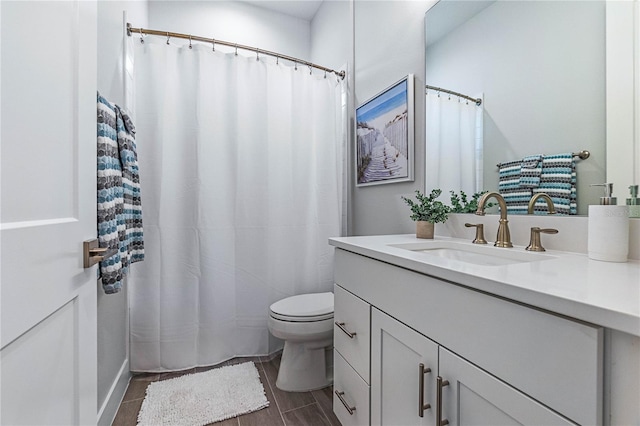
304,307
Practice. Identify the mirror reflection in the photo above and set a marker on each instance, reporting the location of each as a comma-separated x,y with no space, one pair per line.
539,69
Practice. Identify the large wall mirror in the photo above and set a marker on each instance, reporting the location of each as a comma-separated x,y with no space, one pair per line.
539,69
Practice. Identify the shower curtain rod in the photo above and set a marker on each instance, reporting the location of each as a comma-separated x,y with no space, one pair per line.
131,30
477,101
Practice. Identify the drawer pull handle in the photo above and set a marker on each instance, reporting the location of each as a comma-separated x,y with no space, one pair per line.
343,328
421,405
441,383
341,398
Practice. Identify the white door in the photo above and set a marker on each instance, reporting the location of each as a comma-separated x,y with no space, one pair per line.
397,352
48,207
474,397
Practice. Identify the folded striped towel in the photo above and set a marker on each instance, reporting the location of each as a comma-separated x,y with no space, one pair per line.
558,180
119,204
516,197
531,168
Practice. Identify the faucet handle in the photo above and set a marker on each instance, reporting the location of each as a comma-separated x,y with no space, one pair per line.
479,239
534,242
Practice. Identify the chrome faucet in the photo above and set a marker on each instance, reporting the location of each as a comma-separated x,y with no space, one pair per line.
546,197
504,236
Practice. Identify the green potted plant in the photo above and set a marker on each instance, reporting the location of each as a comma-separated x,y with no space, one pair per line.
460,203
426,212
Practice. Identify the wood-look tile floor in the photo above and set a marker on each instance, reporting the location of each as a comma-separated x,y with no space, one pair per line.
313,408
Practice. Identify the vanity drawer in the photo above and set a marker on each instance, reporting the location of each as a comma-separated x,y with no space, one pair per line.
555,360
351,335
353,391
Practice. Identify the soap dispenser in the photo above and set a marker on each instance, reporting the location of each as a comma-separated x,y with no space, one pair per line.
633,201
608,234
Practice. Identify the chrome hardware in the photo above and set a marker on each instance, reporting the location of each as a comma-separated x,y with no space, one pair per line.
532,203
346,405
534,241
343,328
421,405
504,236
93,254
479,239
440,383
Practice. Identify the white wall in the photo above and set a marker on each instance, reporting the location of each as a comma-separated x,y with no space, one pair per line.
332,34
113,331
389,44
235,22
110,43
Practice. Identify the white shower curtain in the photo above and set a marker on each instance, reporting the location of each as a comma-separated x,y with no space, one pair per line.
241,166
454,144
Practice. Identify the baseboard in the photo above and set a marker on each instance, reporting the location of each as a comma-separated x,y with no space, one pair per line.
109,408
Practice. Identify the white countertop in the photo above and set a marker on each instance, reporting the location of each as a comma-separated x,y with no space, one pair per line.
571,284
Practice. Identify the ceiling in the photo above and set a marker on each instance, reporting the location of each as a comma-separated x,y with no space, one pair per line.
303,9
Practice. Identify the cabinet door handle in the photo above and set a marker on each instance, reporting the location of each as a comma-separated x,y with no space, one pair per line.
343,328
421,405
346,405
441,383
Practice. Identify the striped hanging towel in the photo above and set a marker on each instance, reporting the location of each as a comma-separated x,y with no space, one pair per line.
516,197
531,169
558,180
119,204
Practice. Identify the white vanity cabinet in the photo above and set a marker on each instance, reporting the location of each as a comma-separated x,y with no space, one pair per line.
505,362
407,369
472,396
351,341
404,365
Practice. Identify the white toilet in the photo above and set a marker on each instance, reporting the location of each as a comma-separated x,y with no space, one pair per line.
305,323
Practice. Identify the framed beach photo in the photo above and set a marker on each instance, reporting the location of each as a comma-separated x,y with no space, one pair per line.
384,136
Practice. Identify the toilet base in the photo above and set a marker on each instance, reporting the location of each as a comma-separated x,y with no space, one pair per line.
303,367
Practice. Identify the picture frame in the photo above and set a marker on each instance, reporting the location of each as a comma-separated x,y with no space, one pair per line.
385,136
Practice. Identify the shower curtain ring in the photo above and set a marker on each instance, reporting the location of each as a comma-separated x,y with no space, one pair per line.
236,49
277,60
310,69
190,45
141,39
168,37
296,66
325,74
257,54
213,44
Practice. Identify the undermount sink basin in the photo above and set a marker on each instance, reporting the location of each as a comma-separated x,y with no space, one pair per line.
473,253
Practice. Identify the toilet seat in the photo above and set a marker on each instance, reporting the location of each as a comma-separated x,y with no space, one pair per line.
303,308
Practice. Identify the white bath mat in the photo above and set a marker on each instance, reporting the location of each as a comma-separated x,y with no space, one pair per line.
202,398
